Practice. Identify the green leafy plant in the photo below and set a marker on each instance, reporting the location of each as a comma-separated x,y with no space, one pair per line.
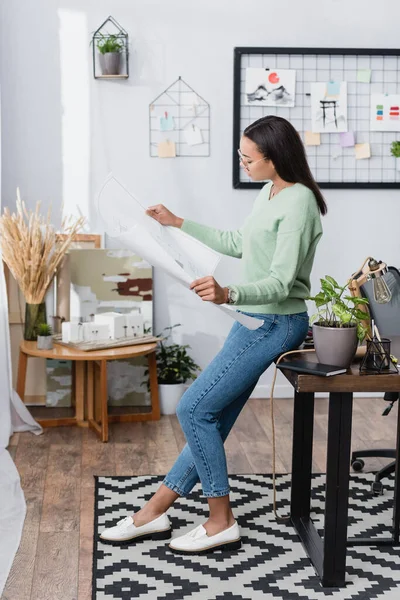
44,330
174,365
109,43
336,310
395,149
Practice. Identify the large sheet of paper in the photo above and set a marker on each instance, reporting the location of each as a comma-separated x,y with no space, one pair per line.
178,254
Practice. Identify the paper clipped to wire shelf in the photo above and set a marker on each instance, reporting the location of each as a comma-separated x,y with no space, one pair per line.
181,256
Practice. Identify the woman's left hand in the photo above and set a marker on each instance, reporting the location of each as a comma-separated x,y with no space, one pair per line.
209,290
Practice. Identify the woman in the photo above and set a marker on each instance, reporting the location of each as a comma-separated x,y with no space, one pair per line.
277,245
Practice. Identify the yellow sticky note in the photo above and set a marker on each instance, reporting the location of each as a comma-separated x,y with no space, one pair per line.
363,150
166,149
312,139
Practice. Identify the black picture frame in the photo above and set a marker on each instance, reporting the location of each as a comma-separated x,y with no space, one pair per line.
238,53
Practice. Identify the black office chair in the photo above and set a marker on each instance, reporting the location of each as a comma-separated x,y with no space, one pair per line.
387,318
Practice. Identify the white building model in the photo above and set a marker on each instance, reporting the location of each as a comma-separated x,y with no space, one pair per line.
106,326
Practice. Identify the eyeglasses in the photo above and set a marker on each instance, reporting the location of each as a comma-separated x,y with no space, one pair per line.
247,163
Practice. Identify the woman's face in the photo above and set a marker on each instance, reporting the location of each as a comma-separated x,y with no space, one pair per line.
253,162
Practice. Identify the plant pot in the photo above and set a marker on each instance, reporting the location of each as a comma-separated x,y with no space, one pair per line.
398,163
335,345
110,63
44,342
35,314
170,394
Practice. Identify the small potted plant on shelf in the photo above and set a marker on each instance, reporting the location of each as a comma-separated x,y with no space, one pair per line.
340,323
174,368
395,151
110,48
44,337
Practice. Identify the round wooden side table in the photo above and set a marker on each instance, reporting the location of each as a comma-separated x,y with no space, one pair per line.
88,365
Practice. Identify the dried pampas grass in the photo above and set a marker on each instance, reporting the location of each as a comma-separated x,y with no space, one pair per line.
31,249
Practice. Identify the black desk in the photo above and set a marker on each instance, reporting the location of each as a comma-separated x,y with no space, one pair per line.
328,554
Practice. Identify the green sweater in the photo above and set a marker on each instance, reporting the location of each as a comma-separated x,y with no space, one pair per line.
277,245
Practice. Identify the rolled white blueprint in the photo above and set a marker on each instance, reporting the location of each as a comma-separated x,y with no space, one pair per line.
178,254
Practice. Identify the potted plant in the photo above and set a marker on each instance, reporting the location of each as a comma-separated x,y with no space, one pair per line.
44,337
110,47
339,325
395,151
174,368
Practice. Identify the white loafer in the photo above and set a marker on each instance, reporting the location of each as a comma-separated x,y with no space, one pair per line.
125,531
198,542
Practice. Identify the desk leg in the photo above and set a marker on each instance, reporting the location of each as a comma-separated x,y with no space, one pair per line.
21,377
396,508
337,488
303,425
90,391
104,401
80,391
155,402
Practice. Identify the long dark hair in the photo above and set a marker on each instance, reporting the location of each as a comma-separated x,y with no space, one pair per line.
278,140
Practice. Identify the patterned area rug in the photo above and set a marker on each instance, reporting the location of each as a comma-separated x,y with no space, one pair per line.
271,563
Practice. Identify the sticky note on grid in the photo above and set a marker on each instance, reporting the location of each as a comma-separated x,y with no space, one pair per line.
346,139
191,103
364,75
333,88
193,135
363,150
167,123
312,139
166,149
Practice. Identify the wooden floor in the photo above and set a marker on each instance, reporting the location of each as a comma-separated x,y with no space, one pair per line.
54,561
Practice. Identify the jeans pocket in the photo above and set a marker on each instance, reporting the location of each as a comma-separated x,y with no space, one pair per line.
297,331
302,317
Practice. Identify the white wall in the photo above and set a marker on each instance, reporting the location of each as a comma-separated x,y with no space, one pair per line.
63,131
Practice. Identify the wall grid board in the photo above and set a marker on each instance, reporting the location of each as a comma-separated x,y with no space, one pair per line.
331,165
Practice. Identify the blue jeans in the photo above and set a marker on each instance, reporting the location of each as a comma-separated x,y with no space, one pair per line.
211,405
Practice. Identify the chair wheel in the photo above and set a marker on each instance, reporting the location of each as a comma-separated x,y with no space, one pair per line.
377,488
358,464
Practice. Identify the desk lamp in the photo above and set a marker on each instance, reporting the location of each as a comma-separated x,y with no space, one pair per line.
371,269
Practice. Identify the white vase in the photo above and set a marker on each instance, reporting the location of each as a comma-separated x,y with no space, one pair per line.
398,163
170,394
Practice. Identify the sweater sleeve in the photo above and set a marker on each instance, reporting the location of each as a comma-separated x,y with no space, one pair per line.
226,242
292,248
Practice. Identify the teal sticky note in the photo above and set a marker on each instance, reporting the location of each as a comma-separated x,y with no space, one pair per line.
166,123
364,75
333,88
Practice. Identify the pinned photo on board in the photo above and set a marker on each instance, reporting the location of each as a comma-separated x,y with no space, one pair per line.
329,107
385,112
270,87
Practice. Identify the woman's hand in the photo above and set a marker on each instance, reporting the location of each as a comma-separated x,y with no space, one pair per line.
209,290
164,216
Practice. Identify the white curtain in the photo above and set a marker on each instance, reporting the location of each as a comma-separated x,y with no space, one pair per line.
14,416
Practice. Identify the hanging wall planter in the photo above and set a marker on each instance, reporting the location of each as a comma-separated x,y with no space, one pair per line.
110,51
